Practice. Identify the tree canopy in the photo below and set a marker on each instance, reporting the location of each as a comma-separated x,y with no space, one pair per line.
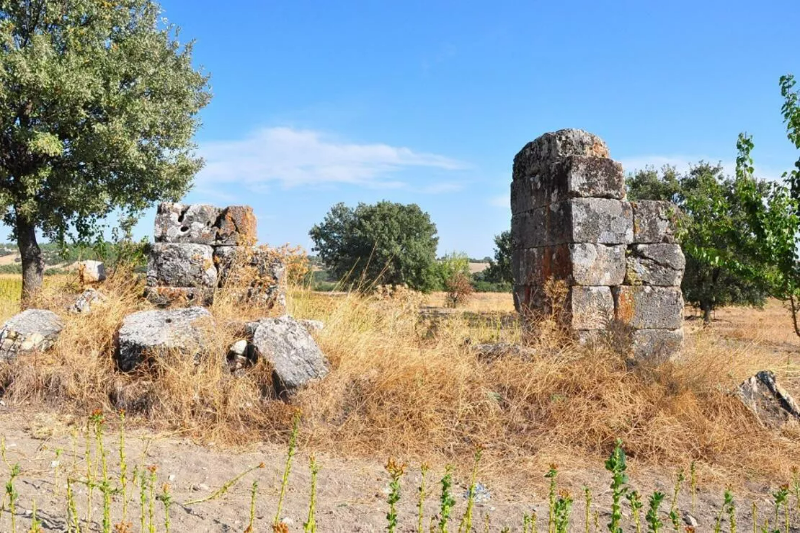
720,268
98,107
387,243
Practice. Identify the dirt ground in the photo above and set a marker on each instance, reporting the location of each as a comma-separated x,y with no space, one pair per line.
351,492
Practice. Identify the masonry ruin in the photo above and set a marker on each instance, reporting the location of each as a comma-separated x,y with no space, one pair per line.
619,260
200,248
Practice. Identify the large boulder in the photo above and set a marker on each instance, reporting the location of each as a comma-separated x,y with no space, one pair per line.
768,401
33,329
162,332
291,351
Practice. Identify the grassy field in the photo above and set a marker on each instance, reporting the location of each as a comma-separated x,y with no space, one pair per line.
413,389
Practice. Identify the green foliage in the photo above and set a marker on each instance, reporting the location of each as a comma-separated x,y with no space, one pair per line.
721,267
616,464
499,270
99,105
448,267
384,243
446,501
654,523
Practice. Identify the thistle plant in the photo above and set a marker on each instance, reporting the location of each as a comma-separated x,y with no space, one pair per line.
310,526
421,498
396,472
151,499
288,468
13,495
123,467
654,523
73,522
446,501
253,494
466,522
552,474
587,497
563,508
616,465
673,507
780,498
729,508
635,501
166,499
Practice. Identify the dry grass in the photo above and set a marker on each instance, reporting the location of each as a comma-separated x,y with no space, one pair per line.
399,388
481,302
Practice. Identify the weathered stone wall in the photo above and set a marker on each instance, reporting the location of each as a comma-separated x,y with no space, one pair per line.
200,248
619,260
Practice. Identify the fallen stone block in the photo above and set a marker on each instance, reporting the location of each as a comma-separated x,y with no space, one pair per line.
768,401
181,265
291,351
647,307
573,176
162,333
87,300
30,330
655,264
191,224
656,346
237,226
490,352
654,221
91,271
539,154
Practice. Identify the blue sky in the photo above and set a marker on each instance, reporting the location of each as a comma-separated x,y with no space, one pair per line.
428,101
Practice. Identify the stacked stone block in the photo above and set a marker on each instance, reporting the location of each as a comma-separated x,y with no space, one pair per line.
617,259
198,247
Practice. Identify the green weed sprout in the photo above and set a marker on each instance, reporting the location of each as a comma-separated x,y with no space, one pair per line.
587,496
446,501
288,468
466,522
13,496
310,526
673,507
552,474
780,497
654,523
635,501
563,508
619,479
421,498
253,494
396,472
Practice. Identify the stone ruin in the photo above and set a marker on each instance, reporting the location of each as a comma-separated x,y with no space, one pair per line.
619,260
200,248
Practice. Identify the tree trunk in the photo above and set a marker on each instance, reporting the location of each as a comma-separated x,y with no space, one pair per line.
706,306
32,263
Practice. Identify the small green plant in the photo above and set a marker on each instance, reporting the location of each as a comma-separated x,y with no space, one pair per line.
552,474
13,496
310,526
73,522
97,421
673,507
396,472
123,467
224,488
446,501
654,523
466,522
780,499
151,498
619,479
288,468
253,495
693,485
36,526
635,501
563,508
421,498
166,499
587,497
729,508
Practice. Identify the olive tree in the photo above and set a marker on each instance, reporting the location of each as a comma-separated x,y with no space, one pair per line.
380,243
99,102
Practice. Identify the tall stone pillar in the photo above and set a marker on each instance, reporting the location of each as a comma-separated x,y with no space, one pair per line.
619,260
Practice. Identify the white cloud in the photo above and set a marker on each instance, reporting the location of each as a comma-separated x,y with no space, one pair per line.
293,157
